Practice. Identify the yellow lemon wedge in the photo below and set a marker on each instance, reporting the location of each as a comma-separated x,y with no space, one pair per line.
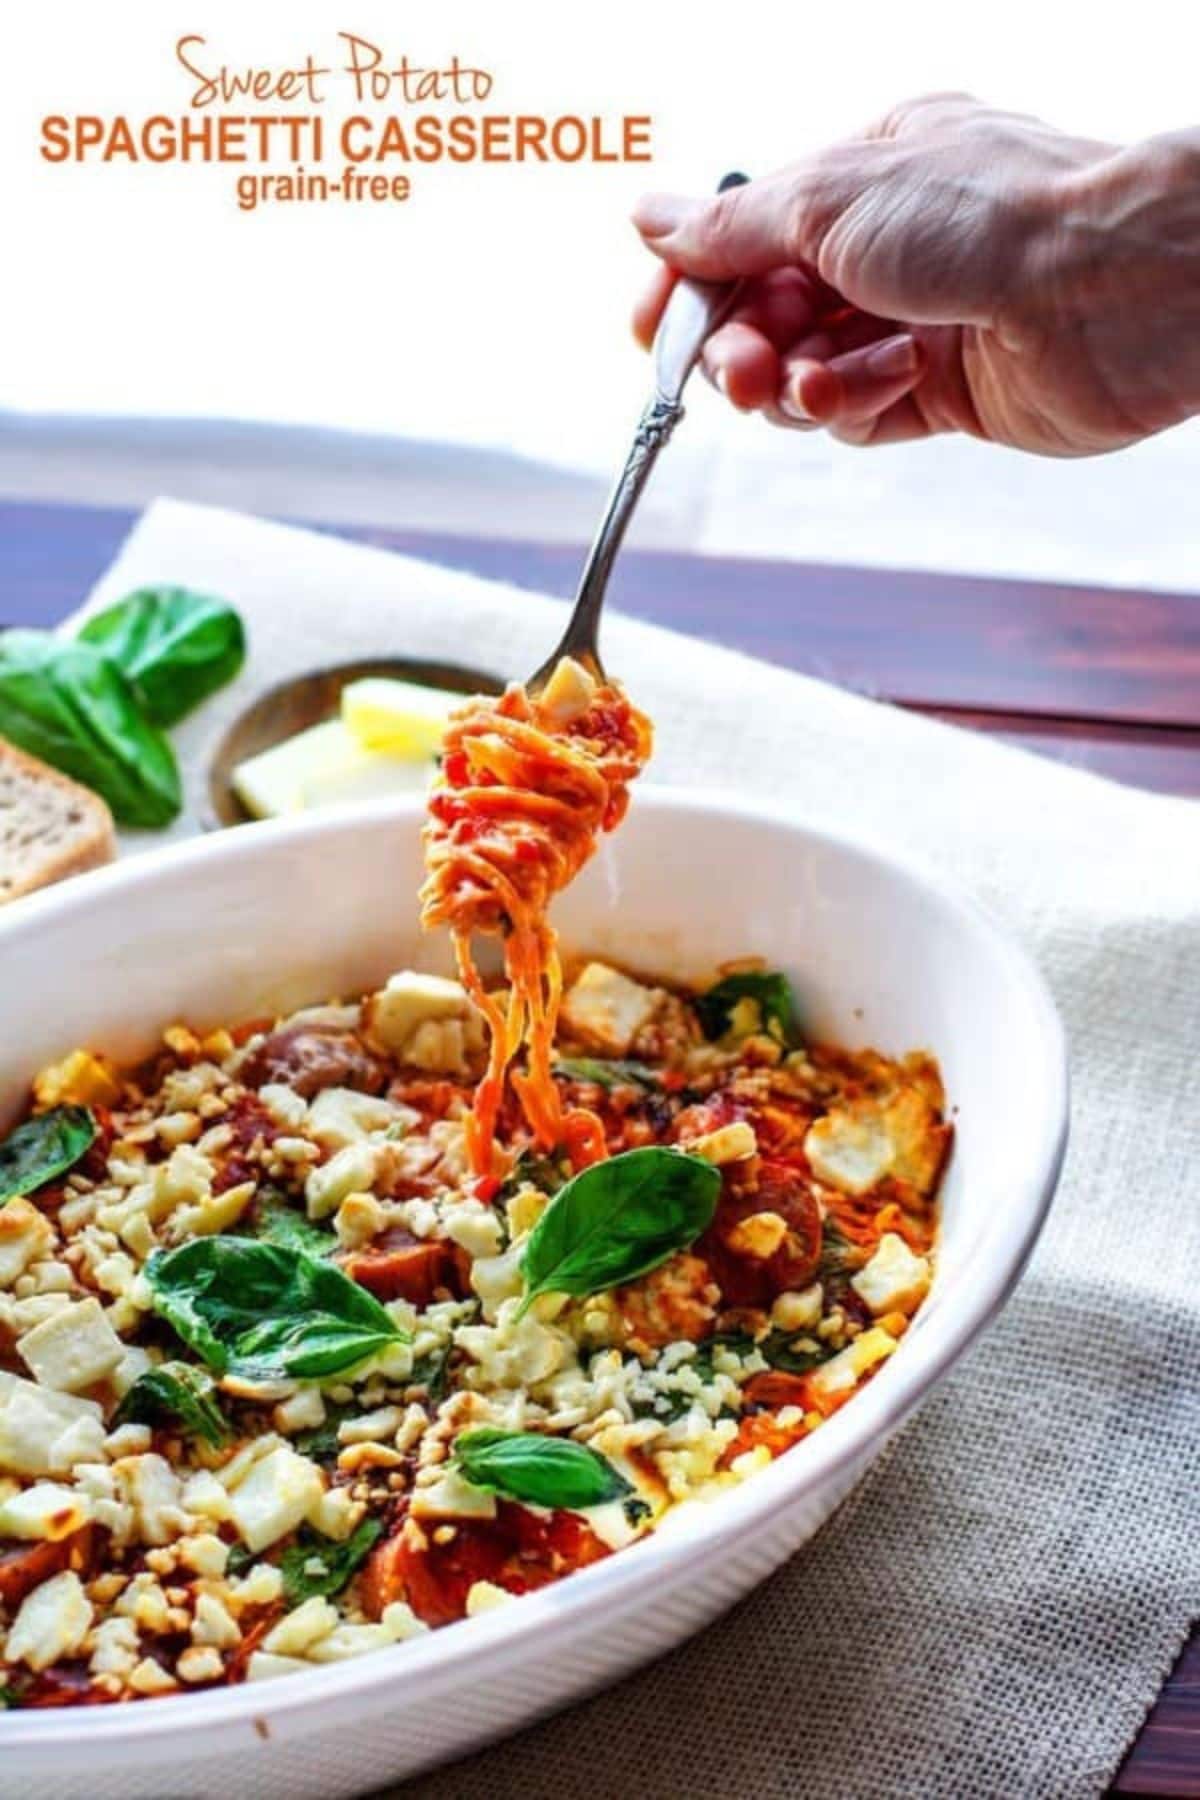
276,780
400,717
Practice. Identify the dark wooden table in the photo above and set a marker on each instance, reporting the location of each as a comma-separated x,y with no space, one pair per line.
1106,678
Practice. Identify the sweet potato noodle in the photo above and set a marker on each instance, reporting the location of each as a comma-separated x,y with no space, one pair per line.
527,785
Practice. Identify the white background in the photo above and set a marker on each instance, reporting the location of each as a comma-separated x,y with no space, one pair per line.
491,309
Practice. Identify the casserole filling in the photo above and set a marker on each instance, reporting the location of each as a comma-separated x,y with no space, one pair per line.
291,1371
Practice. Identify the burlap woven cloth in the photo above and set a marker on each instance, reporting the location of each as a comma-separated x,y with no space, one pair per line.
995,1608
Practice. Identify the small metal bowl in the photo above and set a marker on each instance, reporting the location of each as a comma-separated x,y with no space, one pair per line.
309,700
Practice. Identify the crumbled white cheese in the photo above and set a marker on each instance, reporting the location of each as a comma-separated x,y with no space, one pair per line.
213,1624
448,1496
798,1310
277,1494
46,1511
846,1369
474,1226
349,1171
25,1235
758,1236
73,1348
895,1280
605,1009
43,1432
485,1596
341,1116
568,693
300,1629
53,1621
262,1666
729,1143
425,1020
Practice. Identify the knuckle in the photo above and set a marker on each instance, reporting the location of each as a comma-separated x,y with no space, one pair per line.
724,214
942,106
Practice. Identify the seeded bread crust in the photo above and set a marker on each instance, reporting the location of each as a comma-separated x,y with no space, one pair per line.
50,826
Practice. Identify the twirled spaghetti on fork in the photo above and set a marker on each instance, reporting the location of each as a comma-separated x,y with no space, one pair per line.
527,785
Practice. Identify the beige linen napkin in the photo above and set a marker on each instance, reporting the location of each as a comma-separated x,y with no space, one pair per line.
995,1608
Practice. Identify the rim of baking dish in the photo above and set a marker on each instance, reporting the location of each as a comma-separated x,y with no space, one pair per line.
306,1702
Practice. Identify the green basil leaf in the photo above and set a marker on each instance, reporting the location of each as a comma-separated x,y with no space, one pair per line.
176,647
770,992
618,1219
265,1312
538,1470
9,1698
318,1566
278,1222
175,1392
67,703
45,1146
607,1075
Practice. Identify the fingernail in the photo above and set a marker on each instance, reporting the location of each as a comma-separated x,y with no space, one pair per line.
658,215
792,406
893,358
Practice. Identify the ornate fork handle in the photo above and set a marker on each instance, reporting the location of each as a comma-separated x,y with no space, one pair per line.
693,311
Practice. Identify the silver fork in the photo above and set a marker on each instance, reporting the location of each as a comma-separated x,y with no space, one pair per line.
694,310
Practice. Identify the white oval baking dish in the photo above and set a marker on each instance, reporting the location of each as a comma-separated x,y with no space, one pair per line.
277,915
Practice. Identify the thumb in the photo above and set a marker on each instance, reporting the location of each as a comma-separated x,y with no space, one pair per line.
747,230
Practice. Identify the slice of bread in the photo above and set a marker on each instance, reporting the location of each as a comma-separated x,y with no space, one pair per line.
50,827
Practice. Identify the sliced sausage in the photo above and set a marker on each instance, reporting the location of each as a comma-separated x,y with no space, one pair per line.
399,1266
308,1058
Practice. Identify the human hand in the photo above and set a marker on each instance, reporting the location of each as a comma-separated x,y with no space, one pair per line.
954,269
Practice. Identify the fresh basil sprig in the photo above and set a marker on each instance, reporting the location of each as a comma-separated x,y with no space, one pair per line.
71,705
177,647
319,1566
618,1219
768,989
266,1312
45,1146
175,1391
536,1469
608,1075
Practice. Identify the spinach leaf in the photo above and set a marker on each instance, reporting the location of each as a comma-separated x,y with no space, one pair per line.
607,1075
241,1557
318,1565
321,1442
839,1255
740,1343
618,1219
675,1403
266,1312
68,704
770,992
532,1170
539,1470
432,1372
175,1392
276,1222
794,1352
45,1146
176,647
